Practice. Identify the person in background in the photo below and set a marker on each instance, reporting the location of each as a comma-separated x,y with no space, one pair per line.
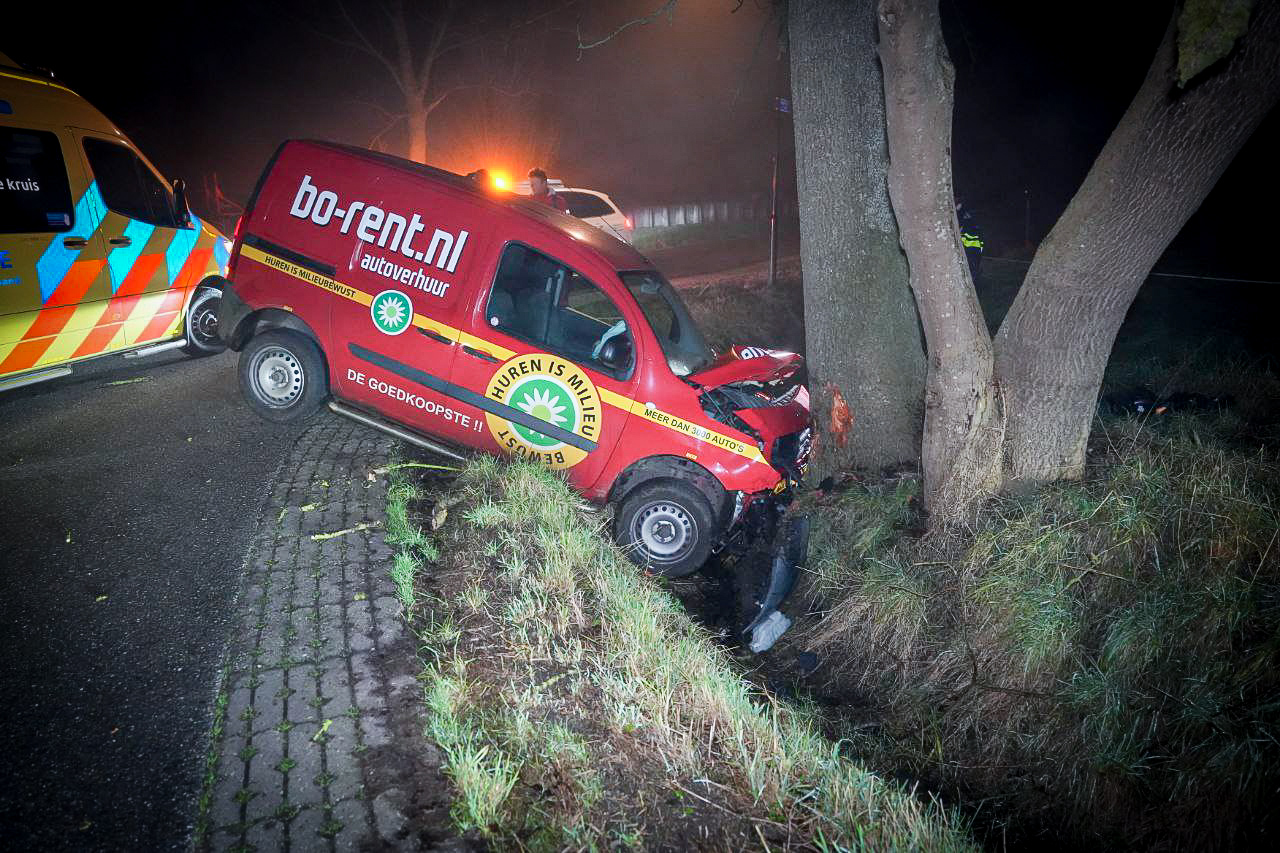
971,238
542,191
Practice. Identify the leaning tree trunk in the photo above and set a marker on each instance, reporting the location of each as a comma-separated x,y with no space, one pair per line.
960,455
1159,164
861,332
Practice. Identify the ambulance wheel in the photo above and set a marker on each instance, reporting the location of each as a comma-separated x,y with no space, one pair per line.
665,526
202,323
282,376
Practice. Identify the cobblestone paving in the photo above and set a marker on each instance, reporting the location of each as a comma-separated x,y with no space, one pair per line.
305,695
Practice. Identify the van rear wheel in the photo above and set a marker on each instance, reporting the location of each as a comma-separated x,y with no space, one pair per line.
282,376
665,526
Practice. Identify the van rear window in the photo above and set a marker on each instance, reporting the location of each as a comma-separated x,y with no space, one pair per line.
35,195
585,205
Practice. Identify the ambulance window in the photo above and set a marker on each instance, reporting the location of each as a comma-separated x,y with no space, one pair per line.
35,195
542,301
128,187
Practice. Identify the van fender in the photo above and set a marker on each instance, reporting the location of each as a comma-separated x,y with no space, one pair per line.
254,323
652,468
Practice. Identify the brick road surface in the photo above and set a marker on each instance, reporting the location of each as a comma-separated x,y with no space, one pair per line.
308,690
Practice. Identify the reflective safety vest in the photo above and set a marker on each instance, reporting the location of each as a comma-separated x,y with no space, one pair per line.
970,240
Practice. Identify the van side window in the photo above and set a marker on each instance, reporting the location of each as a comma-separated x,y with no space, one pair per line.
544,302
35,195
128,187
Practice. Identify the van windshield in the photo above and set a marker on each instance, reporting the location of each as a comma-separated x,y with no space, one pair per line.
682,343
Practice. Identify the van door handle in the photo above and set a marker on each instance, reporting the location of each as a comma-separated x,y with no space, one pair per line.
478,353
75,242
435,336
120,241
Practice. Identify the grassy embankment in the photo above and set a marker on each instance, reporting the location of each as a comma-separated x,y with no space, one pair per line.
578,707
1097,662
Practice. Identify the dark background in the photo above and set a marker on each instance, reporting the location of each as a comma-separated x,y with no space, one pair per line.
675,110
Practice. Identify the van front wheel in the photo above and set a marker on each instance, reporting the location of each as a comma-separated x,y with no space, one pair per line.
202,323
282,376
665,526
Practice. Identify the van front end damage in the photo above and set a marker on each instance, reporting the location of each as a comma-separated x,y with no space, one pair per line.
768,541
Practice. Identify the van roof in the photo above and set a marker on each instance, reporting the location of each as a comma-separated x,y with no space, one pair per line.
614,252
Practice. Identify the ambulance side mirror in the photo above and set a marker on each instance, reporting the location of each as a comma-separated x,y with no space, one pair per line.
181,212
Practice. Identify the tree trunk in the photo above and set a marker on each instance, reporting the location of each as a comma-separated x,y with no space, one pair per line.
1159,164
960,454
417,119
861,332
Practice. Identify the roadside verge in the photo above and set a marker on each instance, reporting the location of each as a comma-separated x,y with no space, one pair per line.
577,705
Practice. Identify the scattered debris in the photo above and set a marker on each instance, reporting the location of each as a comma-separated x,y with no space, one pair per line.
100,598
324,727
767,632
130,381
307,507
68,537
1144,401
364,525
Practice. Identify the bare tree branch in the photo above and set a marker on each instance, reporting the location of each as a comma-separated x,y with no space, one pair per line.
363,44
667,8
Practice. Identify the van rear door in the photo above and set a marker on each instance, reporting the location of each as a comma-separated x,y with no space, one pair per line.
54,281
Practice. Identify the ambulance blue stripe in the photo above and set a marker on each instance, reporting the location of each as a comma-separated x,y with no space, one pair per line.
57,259
122,258
180,248
220,253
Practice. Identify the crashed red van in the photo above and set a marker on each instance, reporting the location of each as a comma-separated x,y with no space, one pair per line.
418,302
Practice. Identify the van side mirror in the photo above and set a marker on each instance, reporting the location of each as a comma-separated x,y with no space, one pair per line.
616,353
181,212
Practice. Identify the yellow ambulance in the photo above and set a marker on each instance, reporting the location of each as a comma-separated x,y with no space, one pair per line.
98,253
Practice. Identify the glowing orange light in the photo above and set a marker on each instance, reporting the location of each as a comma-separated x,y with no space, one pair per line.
500,180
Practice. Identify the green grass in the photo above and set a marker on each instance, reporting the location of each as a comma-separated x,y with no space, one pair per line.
1100,659
647,239
577,706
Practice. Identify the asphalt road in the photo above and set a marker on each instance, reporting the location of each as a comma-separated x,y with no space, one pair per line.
128,494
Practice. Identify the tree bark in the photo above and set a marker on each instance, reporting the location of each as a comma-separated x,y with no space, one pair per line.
416,116
1164,157
862,335
963,428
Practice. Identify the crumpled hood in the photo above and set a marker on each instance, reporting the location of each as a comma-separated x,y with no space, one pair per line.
748,364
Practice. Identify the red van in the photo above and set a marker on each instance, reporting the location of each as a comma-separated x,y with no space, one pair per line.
420,303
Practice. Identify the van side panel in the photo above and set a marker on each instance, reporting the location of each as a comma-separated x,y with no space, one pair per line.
378,262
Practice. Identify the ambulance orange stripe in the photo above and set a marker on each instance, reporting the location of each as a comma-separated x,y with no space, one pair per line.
100,337
196,262
139,275
53,317
38,338
122,306
163,318
75,284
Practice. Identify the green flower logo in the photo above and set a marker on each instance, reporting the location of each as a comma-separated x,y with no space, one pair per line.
546,401
392,312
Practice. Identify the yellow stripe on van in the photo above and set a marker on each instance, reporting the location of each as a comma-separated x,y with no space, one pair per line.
613,398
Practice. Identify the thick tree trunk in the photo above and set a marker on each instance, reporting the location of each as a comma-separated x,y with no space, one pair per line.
963,429
1162,160
417,119
861,332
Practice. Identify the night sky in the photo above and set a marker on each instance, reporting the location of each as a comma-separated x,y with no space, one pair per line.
676,110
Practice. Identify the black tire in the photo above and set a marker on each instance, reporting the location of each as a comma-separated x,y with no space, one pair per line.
202,323
667,527
283,376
